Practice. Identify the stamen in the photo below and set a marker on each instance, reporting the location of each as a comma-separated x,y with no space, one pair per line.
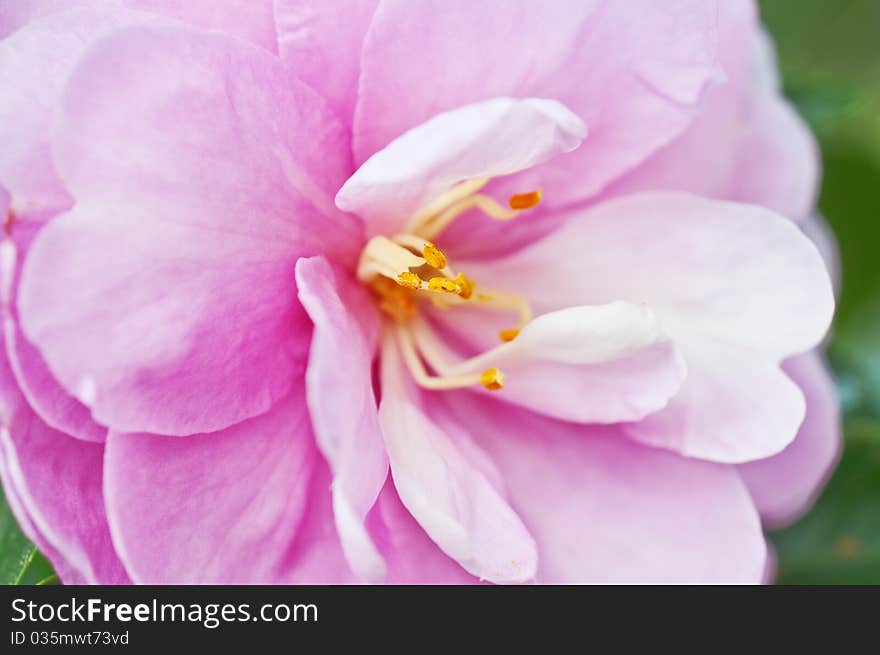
434,256
509,334
523,201
432,226
491,379
393,301
382,256
456,193
409,280
443,284
466,286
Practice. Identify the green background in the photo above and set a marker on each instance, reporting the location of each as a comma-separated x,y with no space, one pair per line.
829,54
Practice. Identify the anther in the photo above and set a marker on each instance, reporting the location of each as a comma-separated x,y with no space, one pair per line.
444,284
434,256
466,286
409,280
521,201
492,379
509,334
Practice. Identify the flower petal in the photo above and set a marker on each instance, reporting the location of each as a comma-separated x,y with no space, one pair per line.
785,485
246,19
731,284
703,159
411,556
606,510
35,64
448,494
46,397
251,20
219,508
486,139
605,363
166,299
323,41
53,483
633,70
342,405
778,159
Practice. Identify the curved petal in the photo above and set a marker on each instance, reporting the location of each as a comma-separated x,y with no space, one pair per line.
731,284
633,70
342,405
53,483
411,556
736,405
703,159
482,140
605,363
35,64
784,486
46,397
219,508
445,490
166,299
606,510
323,41
778,161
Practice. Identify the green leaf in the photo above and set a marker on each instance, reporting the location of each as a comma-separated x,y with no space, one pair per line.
839,541
20,561
16,552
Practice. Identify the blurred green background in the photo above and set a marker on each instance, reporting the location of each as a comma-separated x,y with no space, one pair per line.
829,54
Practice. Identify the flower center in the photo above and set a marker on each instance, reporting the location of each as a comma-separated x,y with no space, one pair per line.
409,269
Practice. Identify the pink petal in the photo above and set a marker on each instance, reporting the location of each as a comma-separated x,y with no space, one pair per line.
411,556
634,71
246,19
486,139
451,497
35,64
46,397
342,405
735,406
18,13
251,20
323,41
606,510
166,299
779,157
704,159
605,363
53,484
731,284
784,486
219,508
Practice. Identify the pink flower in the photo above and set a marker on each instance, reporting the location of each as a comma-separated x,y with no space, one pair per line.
244,282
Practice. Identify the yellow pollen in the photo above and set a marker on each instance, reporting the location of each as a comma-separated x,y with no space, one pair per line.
409,280
434,256
492,379
393,301
528,200
509,334
443,284
466,285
